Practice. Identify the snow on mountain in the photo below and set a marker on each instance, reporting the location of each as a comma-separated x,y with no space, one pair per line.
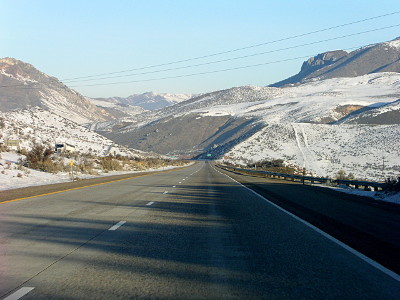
229,97
395,43
325,125
149,100
315,102
365,110
118,109
23,86
322,101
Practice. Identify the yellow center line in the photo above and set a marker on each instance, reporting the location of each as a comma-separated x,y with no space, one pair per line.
85,186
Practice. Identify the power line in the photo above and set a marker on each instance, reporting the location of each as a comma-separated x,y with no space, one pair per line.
237,49
193,74
203,73
207,63
238,57
185,75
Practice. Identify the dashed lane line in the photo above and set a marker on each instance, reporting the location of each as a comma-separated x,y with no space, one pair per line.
85,186
116,226
19,294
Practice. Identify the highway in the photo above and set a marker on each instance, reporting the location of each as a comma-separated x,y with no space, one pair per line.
191,233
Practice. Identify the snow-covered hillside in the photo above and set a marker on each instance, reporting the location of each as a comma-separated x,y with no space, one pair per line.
366,144
23,86
368,152
44,127
316,102
348,124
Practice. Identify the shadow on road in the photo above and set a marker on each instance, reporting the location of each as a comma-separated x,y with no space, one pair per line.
199,241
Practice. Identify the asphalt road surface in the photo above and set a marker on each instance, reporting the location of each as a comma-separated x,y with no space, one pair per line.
192,233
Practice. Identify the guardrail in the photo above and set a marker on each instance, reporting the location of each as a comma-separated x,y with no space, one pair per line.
376,186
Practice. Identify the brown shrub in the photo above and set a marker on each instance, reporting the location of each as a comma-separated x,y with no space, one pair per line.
110,164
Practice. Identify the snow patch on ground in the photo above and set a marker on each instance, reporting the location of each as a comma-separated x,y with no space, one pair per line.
380,196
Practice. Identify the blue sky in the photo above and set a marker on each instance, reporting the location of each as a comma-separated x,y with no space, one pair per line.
69,39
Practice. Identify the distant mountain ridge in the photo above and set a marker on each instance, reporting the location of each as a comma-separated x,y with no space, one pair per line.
149,100
381,57
23,86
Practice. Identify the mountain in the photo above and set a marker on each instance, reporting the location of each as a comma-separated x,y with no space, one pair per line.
117,109
181,129
324,125
22,86
381,57
149,100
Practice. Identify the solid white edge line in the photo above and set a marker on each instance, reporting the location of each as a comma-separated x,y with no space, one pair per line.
150,203
116,226
368,260
19,294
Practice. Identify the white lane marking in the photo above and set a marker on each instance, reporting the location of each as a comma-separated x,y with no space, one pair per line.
19,294
183,179
368,260
118,225
150,203
174,186
179,182
166,192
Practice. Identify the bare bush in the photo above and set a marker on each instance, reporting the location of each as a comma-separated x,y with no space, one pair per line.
341,175
110,164
39,158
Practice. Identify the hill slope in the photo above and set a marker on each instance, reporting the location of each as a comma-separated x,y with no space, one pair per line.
23,86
